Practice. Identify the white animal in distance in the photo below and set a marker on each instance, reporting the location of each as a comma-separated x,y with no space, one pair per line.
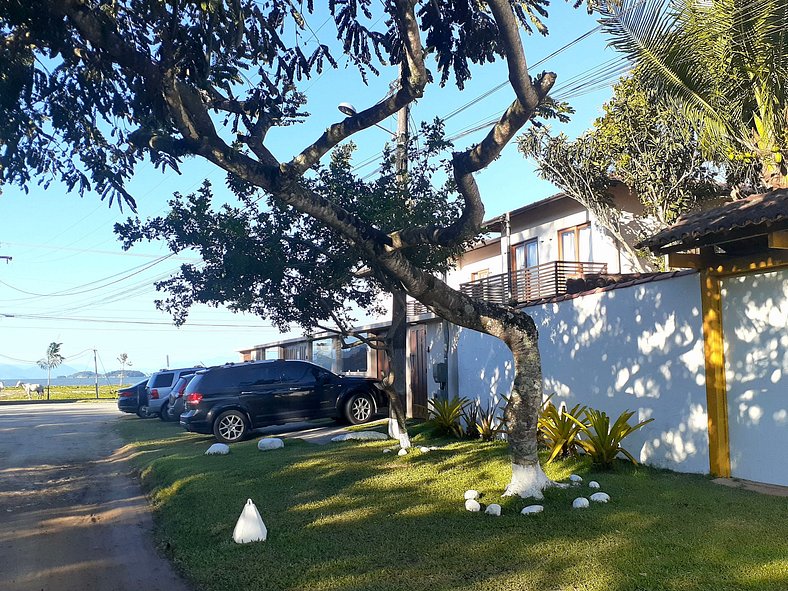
30,388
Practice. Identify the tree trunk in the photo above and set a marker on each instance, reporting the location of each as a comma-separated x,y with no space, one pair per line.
522,413
394,384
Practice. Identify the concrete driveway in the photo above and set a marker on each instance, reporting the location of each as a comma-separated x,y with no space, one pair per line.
72,516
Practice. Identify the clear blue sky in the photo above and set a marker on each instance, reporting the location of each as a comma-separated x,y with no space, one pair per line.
70,282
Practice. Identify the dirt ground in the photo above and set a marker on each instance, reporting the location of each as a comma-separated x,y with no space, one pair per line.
72,517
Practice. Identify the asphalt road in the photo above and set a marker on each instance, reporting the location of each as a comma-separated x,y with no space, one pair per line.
72,516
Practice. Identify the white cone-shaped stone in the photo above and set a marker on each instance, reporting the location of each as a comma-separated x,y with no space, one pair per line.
270,443
575,479
600,497
593,484
250,526
493,509
472,505
361,436
471,494
580,503
532,509
402,452
218,449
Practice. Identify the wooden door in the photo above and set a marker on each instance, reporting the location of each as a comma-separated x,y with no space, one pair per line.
417,363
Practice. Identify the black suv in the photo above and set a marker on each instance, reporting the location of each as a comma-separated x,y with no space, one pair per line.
232,399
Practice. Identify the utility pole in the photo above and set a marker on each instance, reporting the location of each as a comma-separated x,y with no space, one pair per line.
95,371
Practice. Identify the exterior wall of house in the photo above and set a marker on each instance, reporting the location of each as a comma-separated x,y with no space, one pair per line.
637,348
755,337
484,258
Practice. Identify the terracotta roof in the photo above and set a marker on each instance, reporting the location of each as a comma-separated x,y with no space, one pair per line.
637,279
752,216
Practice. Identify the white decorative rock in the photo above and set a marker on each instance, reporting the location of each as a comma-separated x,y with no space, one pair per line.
270,443
493,509
402,452
218,449
472,505
250,526
532,509
593,484
575,479
423,449
387,451
471,494
600,497
580,503
361,436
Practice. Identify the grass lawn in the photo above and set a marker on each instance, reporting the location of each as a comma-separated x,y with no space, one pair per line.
347,517
62,393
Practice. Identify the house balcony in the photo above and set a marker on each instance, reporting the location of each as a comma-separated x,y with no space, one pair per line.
531,284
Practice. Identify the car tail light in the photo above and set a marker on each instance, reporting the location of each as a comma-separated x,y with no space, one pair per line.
125,394
154,394
193,399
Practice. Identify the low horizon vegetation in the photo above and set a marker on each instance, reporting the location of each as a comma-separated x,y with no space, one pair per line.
82,392
346,516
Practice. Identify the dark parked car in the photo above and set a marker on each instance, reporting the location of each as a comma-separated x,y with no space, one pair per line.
129,397
175,403
153,402
231,400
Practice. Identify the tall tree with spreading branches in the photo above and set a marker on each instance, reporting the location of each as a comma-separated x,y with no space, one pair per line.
91,87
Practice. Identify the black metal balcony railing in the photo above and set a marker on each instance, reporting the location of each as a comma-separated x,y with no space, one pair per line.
533,283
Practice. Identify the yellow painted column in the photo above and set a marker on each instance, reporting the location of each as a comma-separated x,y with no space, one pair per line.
716,391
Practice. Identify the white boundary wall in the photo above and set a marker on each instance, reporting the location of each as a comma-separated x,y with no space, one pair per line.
638,348
755,325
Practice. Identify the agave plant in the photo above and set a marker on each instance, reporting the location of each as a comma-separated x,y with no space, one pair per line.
559,429
602,441
446,415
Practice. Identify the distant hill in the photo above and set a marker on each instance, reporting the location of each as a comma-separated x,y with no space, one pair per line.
129,373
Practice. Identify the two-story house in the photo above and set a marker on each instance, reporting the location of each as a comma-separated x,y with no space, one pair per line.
529,254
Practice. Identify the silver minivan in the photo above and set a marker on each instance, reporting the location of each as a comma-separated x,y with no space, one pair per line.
157,390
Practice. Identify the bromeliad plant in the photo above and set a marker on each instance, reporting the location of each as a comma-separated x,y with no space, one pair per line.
446,415
601,440
559,429
483,422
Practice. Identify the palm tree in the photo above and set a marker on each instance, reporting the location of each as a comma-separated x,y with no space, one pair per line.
123,358
53,359
725,62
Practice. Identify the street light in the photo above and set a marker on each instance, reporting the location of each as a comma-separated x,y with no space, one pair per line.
350,110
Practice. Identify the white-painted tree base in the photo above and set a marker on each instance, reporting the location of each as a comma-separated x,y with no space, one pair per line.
396,433
528,482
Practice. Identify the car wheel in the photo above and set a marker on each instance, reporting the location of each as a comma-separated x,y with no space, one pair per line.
230,426
142,412
359,409
164,413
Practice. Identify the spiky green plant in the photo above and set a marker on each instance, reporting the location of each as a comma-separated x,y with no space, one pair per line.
602,441
482,422
445,415
558,429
